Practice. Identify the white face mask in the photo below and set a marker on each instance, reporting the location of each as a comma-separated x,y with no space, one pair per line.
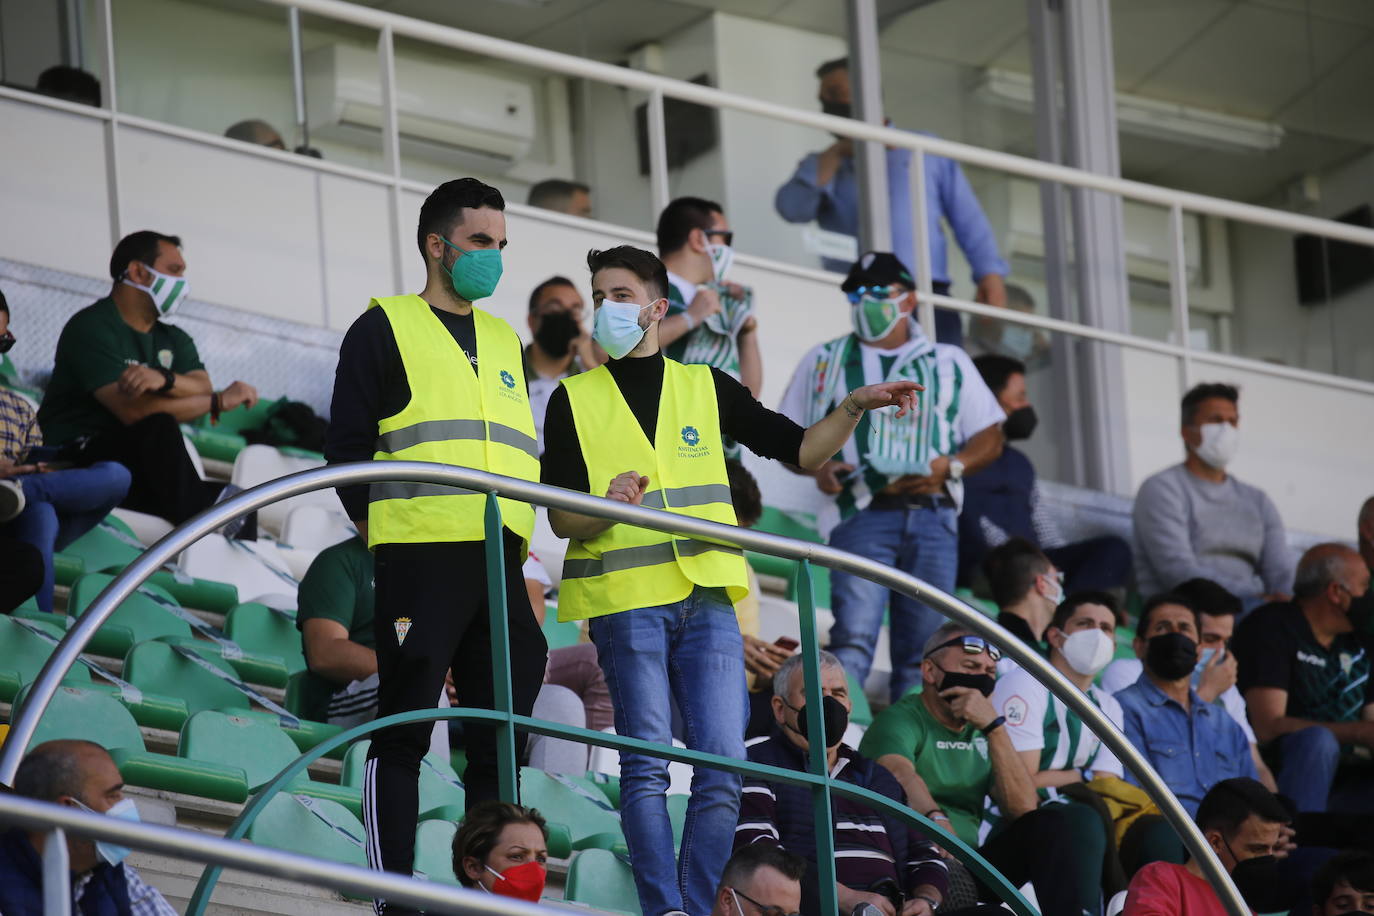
1219,444
124,810
1057,596
616,326
168,292
1088,651
722,256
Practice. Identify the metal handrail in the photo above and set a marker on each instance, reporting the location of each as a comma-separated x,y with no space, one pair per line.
126,583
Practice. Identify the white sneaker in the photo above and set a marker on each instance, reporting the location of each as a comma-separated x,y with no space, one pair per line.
11,499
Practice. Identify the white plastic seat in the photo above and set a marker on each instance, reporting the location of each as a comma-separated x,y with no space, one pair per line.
255,568
149,529
607,760
260,463
314,527
1116,904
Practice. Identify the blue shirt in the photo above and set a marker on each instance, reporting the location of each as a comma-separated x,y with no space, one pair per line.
949,196
1192,751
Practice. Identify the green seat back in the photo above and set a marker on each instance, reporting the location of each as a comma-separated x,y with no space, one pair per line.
257,628
215,445
585,821
440,786
87,714
155,667
138,618
252,743
600,879
241,418
287,824
862,713
22,655
434,850
989,608
109,546
560,635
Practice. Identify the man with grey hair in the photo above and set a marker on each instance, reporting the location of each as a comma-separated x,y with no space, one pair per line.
255,131
78,774
1305,675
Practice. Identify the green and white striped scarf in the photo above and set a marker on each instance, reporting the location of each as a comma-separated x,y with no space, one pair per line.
715,342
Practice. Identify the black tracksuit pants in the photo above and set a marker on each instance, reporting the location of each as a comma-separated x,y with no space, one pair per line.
442,589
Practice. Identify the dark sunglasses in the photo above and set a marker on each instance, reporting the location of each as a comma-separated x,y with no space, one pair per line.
6,341
727,236
972,645
764,910
875,292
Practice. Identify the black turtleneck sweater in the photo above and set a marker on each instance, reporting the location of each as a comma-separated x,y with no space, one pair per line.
640,380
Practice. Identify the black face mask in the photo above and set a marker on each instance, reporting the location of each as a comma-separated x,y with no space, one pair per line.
1261,884
556,333
1020,423
983,683
1171,656
838,109
834,715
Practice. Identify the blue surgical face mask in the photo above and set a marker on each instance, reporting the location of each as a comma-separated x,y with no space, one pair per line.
616,326
474,273
124,810
1204,658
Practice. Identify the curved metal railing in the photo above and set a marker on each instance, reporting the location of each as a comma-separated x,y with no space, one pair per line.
165,550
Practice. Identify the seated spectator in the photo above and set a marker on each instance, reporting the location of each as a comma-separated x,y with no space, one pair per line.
1002,338
59,505
764,877
77,774
21,573
949,750
571,197
258,132
1214,678
1026,588
1003,500
1305,674
1344,885
502,849
709,320
561,347
71,84
1242,822
1362,608
1194,520
1192,743
876,854
123,380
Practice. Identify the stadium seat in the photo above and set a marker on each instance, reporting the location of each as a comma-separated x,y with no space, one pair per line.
138,618
442,795
258,464
434,851
599,878
314,527
256,569
606,761
312,827
862,713
22,654
260,629
109,546
560,635
577,820
149,529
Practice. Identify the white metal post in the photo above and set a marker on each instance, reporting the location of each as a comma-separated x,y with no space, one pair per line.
114,195
866,100
658,155
391,149
57,875
1178,294
298,74
920,230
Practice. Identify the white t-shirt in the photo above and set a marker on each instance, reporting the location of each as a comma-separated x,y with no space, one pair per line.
1037,721
1124,672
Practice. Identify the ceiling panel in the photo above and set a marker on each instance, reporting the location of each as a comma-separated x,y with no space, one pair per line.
1254,177
968,32
1355,12
511,19
1146,33
611,28
1338,105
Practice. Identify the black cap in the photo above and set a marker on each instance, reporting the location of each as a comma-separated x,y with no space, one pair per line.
877,268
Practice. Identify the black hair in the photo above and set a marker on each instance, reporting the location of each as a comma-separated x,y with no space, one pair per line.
4,303
1199,393
680,217
1158,601
71,84
1354,866
53,769
1012,568
1207,597
744,493
443,208
830,66
643,264
142,246
1232,802
481,828
1077,600
554,193
749,859
996,370
539,290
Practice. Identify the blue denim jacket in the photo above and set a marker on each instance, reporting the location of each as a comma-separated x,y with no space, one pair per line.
1192,750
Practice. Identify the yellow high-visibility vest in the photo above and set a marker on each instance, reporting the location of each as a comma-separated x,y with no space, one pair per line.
624,567
454,417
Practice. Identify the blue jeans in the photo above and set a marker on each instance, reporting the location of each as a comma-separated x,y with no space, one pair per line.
689,652
1309,773
921,542
60,506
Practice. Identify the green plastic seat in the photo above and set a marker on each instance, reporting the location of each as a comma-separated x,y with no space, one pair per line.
67,568
239,419
261,630
442,795
288,824
600,879
215,445
202,594
434,850
575,821
139,618
23,653
109,546
862,713
560,635
988,608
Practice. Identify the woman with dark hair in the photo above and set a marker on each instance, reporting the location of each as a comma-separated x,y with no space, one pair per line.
502,848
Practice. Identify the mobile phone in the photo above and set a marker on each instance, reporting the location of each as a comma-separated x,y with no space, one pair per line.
786,643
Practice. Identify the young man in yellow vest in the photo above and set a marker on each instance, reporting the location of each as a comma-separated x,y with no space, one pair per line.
646,430
431,378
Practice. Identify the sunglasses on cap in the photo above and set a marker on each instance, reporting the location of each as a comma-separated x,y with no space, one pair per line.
872,292
972,645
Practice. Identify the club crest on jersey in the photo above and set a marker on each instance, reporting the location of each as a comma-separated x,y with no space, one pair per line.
402,625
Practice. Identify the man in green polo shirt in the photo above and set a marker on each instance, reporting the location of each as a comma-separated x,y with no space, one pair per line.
335,619
950,749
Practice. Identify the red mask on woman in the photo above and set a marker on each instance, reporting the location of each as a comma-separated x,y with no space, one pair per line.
523,882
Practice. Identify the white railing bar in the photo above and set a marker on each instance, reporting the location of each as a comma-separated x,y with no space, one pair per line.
298,74
1178,295
658,155
571,65
391,149
920,230
113,183
57,875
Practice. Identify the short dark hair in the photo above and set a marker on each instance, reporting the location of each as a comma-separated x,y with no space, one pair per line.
1158,601
53,769
1354,866
1232,802
554,193
744,493
747,860
1207,597
997,370
680,217
1077,600
643,264
1011,569
1199,393
4,303
830,66
70,83
443,208
551,281
481,828
142,246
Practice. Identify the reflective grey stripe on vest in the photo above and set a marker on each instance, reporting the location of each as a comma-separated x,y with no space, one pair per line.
447,430
682,497
637,557
397,489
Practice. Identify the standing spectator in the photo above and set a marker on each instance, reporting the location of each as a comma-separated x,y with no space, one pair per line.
410,386
1195,520
571,197
561,345
710,320
1192,743
1344,885
950,750
256,132
1242,821
872,848
124,380
1362,608
825,188
1026,588
59,505
1305,675
898,483
765,877
661,608
1003,500
77,774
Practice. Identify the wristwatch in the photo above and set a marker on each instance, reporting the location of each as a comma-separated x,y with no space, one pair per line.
956,469
169,380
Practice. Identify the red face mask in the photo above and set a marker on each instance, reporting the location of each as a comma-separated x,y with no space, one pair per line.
523,882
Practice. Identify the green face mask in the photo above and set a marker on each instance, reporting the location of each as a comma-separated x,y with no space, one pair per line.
875,318
474,273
